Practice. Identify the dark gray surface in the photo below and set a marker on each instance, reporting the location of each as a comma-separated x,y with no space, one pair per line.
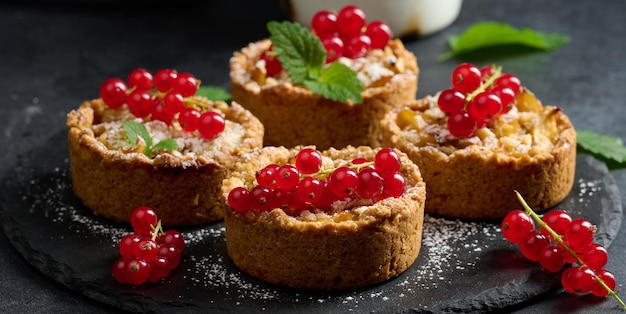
55,55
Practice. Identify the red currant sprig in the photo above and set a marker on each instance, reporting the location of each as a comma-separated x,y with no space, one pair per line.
476,96
305,185
149,253
166,96
562,240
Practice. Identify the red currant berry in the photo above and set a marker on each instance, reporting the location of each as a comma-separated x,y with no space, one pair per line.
272,64
484,106
189,119
552,258
137,271
350,20
127,245
357,46
281,198
334,48
343,182
461,124
486,72
533,244
143,219
380,34
516,225
211,124
566,281
595,256
393,186
266,175
160,113
580,233
238,199
164,79
140,103
173,237
466,78
147,250
609,281
171,253
310,190
140,79
370,184
174,102
186,84
308,161
582,279
507,97
558,220
324,23
159,269
511,81
287,177
387,162
451,100
260,198
113,92
118,270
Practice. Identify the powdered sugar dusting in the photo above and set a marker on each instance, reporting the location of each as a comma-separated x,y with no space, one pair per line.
587,189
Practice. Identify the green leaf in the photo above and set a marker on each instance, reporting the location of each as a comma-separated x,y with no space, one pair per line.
214,93
484,36
303,56
337,82
168,144
301,53
134,129
604,146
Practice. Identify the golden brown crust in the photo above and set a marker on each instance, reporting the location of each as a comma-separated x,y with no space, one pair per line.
326,252
183,190
478,183
293,115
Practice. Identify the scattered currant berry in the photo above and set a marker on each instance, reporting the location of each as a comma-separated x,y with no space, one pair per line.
552,245
148,254
306,185
516,225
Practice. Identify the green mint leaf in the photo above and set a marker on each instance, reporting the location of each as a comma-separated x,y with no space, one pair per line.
169,144
498,39
604,146
303,56
337,82
214,93
301,53
134,129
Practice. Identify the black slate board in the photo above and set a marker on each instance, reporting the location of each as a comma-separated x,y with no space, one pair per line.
463,265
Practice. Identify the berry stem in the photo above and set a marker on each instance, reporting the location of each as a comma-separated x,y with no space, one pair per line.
558,238
156,230
497,70
323,173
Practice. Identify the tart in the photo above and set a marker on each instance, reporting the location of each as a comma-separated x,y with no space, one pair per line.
112,177
294,115
314,249
531,149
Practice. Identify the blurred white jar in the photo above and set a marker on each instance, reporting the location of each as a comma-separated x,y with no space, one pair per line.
404,17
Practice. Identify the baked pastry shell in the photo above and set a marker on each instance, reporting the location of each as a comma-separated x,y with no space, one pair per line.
293,115
350,249
477,183
183,190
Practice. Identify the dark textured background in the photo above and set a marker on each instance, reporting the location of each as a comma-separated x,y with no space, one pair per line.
53,55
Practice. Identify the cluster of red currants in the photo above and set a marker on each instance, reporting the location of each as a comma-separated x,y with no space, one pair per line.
476,96
163,97
305,185
149,253
346,33
562,240
343,34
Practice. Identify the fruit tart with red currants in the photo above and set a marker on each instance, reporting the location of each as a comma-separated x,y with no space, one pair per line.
305,218
151,141
482,138
327,86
